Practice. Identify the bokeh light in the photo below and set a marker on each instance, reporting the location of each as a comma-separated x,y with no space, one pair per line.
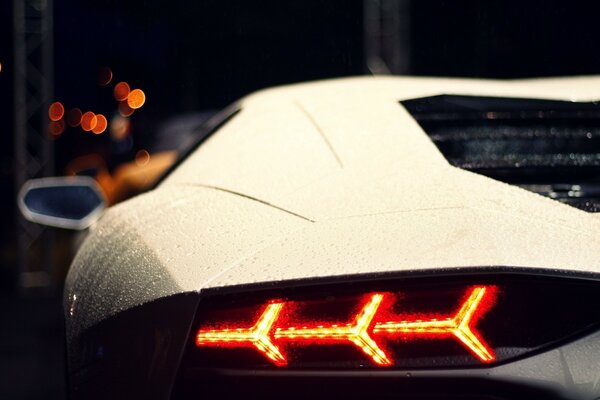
136,99
142,157
119,127
74,117
105,76
56,128
88,121
101,124
124,109
121,91
56,111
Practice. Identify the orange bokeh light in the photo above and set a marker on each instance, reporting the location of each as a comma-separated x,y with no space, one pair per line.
101,124
74,117
136,98
124,109
121,91
142,158
257,335
105,75
88,121
56,111
56,128
119,127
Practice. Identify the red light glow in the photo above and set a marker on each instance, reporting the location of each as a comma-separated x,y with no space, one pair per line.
358,333
88,121
101,124
459,326
142,158
121,91
56,128
56,111
257,335
371,322
124,109
74,117
105,75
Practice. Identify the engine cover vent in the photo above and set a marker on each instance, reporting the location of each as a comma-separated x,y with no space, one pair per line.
546,146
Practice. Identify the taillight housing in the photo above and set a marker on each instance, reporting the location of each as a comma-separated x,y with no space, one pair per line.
426,323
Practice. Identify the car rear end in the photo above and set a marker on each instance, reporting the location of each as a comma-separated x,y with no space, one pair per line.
323,244
499,333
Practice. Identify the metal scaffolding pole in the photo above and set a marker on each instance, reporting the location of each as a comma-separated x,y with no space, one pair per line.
387,36
33,148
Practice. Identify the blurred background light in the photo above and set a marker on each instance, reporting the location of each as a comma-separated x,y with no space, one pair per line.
136,99
105,76
88,121
121,91
101,124
124,109
119,127
56,128
142,157
56,111
74,117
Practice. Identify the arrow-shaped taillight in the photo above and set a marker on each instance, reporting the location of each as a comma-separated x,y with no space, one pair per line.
373,326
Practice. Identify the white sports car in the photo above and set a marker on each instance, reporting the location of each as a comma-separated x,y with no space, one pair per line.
357,238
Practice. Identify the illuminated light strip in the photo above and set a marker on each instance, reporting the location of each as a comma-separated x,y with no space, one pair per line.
459,326
257,335
357,334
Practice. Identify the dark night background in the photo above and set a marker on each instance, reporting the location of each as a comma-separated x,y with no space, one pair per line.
195,55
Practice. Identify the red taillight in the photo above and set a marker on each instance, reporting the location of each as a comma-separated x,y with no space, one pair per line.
374,324
258,335
356,332
460,325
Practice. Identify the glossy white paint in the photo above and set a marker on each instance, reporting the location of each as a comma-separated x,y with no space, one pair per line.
326,179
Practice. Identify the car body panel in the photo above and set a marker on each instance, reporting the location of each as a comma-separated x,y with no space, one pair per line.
325,179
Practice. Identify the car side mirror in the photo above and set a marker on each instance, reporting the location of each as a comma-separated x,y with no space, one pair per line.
73,202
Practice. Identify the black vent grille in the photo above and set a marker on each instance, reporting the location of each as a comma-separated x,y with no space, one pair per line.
548,147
